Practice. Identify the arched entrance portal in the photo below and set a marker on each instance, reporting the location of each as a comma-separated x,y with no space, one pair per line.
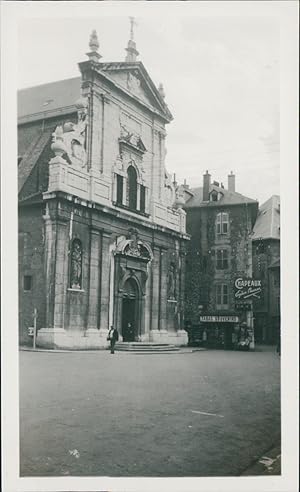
130,311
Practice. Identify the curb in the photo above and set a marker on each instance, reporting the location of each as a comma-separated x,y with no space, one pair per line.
97,351
60,351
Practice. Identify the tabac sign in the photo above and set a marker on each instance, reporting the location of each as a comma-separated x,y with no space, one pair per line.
247,288
220,319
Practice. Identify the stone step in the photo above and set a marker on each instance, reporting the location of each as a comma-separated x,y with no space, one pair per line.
145,347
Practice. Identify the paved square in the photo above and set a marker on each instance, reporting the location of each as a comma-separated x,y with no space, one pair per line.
207,413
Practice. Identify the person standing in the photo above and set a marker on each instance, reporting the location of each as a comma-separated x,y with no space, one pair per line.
113,337
204,338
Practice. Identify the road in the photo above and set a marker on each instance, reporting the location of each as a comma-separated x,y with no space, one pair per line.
206,413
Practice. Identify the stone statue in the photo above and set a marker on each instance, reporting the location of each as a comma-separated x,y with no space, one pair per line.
172,282
76,265
134,247
73,137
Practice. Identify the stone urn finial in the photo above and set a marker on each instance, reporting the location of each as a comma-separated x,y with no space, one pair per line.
161,90
94,43
81,103
58,145
94,47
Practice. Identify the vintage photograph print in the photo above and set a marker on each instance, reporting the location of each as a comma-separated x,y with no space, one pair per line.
149,239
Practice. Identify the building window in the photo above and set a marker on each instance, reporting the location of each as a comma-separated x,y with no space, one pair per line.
27,283
214,196
119,189
142,198
222,223
222,259
222,294
132,188
76,265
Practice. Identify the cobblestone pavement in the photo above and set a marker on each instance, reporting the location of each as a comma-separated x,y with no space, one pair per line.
202,413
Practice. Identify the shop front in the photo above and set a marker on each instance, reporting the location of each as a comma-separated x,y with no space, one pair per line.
228,332
219,332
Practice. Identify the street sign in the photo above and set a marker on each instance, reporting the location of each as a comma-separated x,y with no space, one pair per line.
247,288
243,306
30,331
220,319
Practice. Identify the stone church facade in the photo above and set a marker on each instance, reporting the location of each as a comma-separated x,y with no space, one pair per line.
102,237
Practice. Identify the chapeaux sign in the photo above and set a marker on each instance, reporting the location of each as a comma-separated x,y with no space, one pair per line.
247,288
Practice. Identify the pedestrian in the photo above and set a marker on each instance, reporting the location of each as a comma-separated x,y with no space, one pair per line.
204,338
130,332
113,337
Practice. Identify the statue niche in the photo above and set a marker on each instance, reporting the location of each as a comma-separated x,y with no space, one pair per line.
172,282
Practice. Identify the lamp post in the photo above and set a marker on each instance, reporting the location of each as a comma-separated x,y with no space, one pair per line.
34,327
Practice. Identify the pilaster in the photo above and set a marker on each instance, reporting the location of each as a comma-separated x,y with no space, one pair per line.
50,243
155,313
61,273
105,281
94,280
163,300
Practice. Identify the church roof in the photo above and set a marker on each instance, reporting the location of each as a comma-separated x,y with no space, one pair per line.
47,100
267,225
59,98
226,198
30,158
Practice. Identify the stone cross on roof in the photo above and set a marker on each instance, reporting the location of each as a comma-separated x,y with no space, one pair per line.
132,24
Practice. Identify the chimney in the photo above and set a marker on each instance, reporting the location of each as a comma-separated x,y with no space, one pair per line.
206,185
231,182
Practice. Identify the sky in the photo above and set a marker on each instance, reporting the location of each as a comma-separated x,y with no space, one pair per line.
221,78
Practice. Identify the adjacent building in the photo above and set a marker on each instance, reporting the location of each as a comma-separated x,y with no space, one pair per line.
102,233
219,284
266,266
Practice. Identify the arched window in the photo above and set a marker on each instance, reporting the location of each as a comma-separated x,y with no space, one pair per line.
132,187
76,265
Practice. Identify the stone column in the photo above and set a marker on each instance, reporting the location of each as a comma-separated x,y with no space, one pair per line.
50,239
164,291
138,196
94,281
105,283
155,311
181,289
61,272
147,205
56,264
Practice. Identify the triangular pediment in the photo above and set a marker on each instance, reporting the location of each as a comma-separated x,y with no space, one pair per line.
135,80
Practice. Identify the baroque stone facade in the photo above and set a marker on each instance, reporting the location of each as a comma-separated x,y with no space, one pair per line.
96,201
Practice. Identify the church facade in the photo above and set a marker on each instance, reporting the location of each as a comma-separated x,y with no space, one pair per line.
102,238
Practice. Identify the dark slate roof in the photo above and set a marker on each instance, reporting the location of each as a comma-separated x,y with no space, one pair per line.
46,100
267,225
31,157
228,198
